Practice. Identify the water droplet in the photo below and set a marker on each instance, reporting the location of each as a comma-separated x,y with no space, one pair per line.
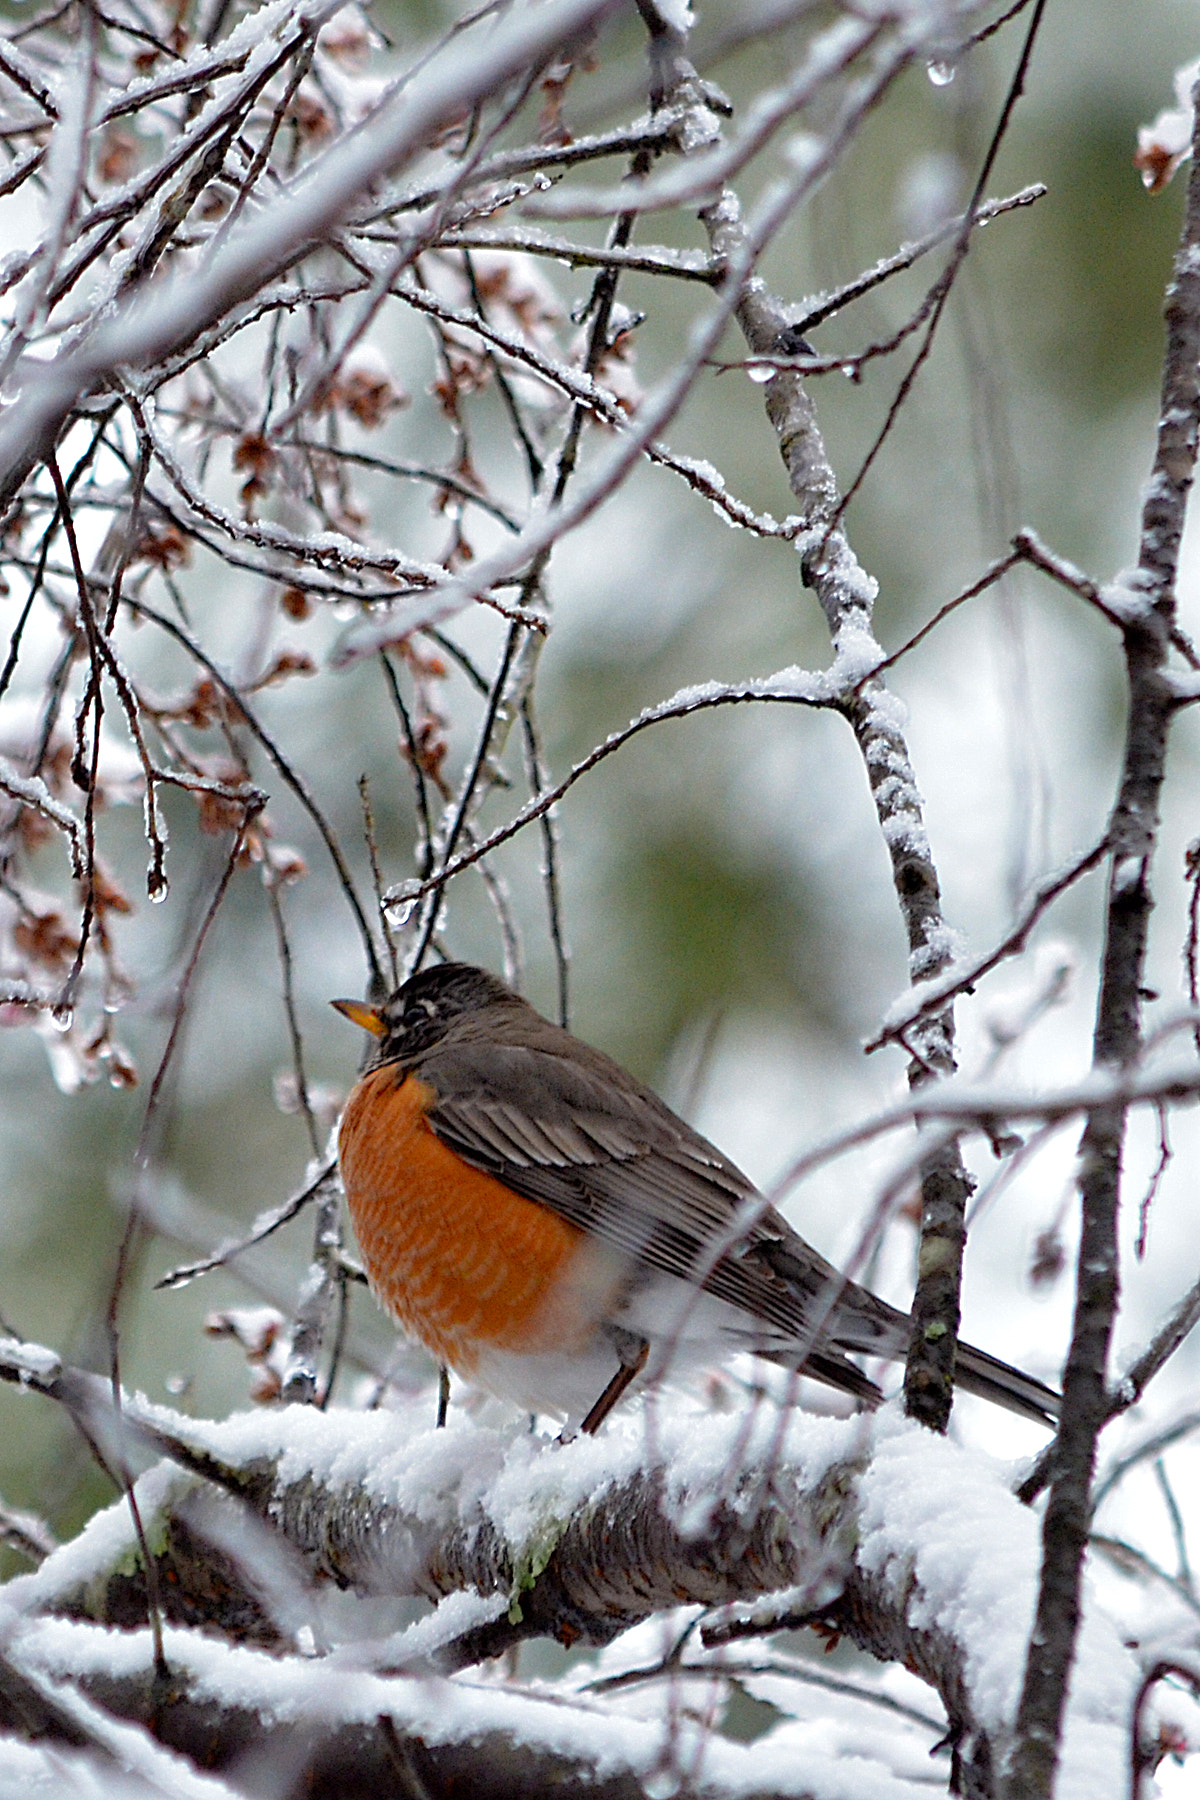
760,372
121,1071
62,1017
940,73
157,887
401,902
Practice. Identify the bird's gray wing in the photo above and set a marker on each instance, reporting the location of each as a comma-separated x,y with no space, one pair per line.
609,1155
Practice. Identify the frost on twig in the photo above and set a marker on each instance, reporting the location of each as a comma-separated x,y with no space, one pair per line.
847,595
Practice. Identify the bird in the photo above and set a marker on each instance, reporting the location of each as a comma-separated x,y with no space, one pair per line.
546,1226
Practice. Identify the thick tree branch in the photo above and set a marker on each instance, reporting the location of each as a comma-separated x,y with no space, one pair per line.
391,1755
578,1541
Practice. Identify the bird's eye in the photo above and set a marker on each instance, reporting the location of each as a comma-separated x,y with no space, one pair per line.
418,1013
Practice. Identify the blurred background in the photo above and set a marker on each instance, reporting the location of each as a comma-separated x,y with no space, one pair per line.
726,895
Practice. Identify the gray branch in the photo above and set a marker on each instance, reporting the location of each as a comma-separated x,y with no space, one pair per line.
1133,833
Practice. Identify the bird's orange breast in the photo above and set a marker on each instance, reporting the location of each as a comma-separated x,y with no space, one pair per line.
462,1261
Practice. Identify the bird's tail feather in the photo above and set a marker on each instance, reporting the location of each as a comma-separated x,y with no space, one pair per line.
978,1373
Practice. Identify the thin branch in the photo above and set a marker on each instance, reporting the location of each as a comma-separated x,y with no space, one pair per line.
585,392
263,1226
1156,1178
151,325
550,877
1141,1759
1165,1342
1116,1041
319,1289
995,572
1128,1558
1178,1529
290,775
31,791
1030,548
942,289
928,1000
713,163
680,706
1151,1446
846,595
646,259
815,310
272,882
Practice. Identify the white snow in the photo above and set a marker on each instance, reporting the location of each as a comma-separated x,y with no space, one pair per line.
106,1542
1126,596
928,1509
443,1710
34,1358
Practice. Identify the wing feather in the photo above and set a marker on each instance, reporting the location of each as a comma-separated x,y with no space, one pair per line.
607,1155
564,1125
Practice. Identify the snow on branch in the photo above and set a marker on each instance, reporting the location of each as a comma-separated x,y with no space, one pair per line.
154,324
866,1525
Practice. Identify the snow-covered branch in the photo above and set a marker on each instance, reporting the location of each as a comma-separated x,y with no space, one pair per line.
151,326
866,1527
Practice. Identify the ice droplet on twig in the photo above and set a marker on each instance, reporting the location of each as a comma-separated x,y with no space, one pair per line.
401,902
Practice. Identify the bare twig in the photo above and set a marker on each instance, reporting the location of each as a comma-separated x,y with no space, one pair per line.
963,981
263,1226
679,707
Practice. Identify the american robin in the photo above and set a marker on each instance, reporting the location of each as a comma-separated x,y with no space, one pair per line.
549,1228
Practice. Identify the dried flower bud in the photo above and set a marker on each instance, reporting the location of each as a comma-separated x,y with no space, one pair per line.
310,115
1161,147
255,1328
46,938
295,603
282,865
118,156
163,545
346,38
1049,1258
364,387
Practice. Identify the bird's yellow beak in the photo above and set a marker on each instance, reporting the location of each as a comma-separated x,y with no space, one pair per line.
359,1013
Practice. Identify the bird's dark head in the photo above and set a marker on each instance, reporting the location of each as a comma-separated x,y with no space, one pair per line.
414,1018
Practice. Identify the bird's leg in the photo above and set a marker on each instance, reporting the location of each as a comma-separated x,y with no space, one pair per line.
628,1371
443,1395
